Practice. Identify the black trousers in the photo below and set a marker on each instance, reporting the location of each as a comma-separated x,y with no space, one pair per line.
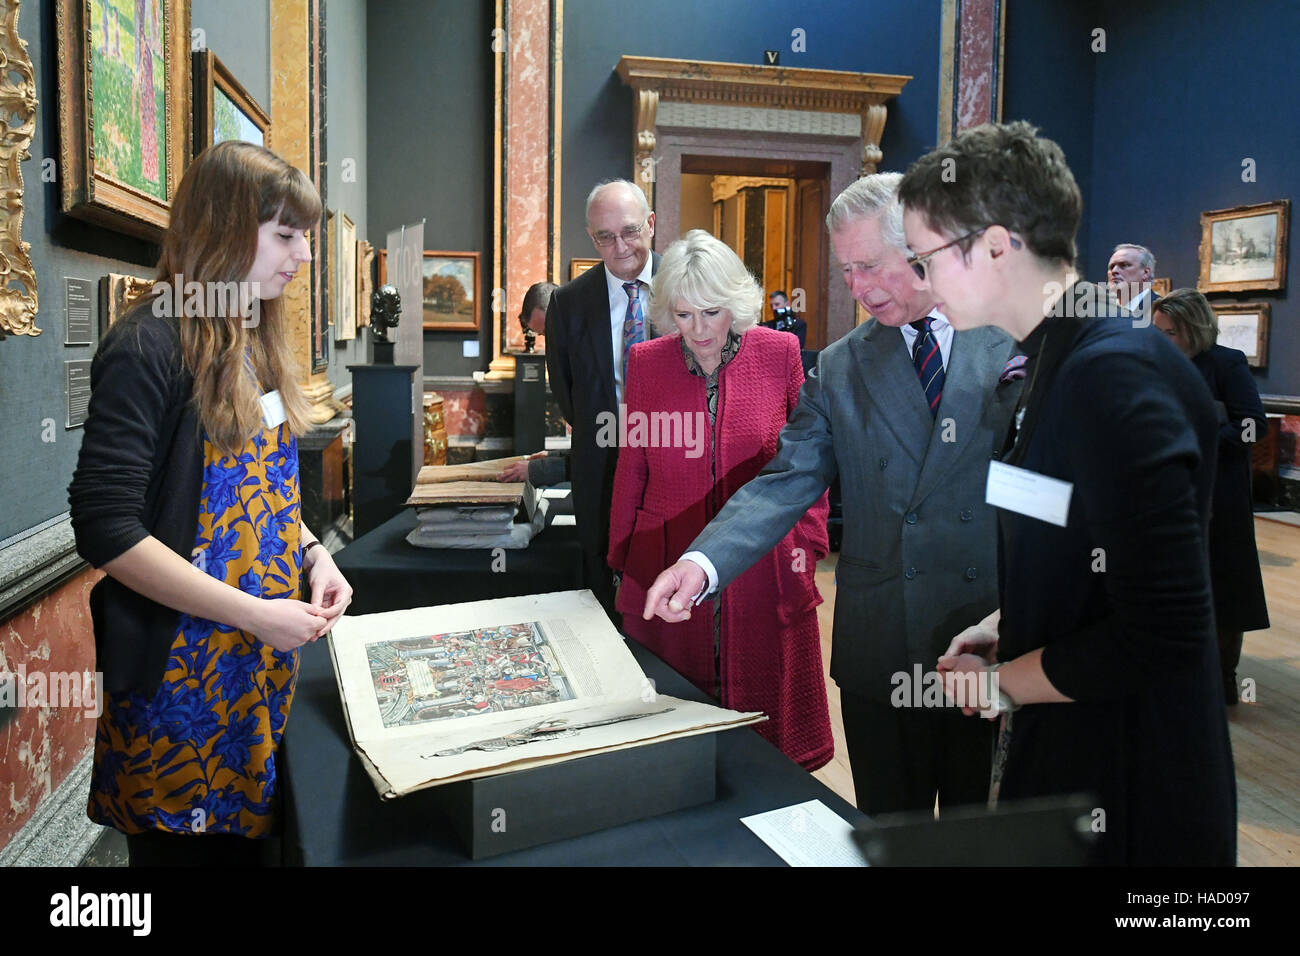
160,848
1230,643
902,757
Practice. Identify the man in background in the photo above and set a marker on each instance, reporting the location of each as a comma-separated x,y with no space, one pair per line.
591,324
783,318
1129,274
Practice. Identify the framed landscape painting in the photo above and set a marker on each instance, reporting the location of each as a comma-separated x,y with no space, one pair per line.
223,109
1244,326
124,110
1243,249
451,291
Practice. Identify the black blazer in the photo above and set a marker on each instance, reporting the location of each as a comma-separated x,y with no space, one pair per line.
1119,599
580,365
1239,603
139,473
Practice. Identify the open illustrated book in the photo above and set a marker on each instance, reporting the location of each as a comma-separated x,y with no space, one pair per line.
440,694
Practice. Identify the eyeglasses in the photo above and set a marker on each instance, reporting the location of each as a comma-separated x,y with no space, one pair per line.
629,234
919,263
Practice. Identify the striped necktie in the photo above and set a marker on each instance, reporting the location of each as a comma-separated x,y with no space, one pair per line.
928,359
633,322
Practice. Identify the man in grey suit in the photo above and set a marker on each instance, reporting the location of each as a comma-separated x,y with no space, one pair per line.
907,413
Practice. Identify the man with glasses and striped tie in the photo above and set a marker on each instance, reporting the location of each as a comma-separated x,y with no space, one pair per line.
591,325
907,413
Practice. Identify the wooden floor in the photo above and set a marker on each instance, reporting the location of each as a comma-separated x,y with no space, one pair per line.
1265,733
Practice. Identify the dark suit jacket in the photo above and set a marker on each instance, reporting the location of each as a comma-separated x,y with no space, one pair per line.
1119,599
1234,559
918,560
580,365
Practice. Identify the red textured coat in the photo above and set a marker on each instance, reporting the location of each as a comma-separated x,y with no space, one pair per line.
664,496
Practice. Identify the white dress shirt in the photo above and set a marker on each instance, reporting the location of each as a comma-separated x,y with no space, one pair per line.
618,300
942,330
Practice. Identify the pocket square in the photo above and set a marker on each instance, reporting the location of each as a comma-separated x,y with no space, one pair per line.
1014,369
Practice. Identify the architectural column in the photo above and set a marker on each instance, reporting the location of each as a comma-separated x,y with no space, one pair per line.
970,65
294,84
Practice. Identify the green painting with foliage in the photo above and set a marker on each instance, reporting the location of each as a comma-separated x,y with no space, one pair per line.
128,89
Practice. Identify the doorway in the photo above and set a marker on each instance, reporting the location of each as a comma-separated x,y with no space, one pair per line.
771,213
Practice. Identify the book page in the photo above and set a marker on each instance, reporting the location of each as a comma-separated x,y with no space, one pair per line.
419,683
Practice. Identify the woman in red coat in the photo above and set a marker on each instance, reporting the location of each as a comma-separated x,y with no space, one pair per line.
705,403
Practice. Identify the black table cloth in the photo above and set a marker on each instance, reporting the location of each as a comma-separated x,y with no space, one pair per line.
334,816
388,574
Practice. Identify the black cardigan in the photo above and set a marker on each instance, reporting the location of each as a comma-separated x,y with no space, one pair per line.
140,473
1119,599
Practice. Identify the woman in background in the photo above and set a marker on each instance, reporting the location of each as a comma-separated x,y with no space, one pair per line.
186,494
1186,317
720,390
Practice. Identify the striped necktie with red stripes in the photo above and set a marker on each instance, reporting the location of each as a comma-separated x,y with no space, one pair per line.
928,359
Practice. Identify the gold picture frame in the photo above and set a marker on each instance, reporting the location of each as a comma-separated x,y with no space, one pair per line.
115,291
343,276
365,285
578,266
1244,326
223,108
1243,249
121,155
457,311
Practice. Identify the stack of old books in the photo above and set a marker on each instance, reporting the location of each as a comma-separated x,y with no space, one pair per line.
465,506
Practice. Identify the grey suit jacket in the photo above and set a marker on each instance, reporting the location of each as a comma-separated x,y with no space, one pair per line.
919,557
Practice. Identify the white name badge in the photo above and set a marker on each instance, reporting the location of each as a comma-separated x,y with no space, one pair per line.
272,409
1028,493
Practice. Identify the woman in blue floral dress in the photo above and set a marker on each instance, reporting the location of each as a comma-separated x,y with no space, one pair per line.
186,494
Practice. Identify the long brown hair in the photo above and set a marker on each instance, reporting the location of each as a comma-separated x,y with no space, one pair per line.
227,193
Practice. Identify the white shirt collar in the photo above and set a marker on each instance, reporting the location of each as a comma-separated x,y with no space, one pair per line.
942,330
615,284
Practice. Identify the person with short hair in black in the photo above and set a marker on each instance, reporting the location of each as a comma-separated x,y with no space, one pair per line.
1104,646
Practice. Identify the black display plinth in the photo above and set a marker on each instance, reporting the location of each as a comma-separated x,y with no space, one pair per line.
530,403
381,451
320,471
515,811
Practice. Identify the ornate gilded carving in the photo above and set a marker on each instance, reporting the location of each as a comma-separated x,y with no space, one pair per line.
873,127
643,132
17,103
115,291
738,84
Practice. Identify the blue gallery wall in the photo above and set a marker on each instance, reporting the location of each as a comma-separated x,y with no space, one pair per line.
1185,93
1048,79
869,36
1156,127
428,88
